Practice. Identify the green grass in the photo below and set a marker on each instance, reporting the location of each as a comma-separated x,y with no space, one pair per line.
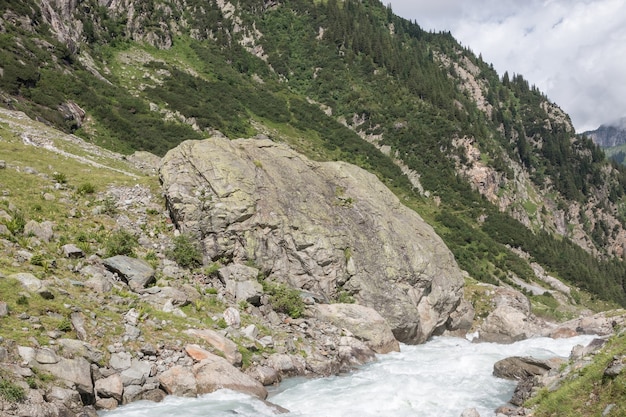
587,392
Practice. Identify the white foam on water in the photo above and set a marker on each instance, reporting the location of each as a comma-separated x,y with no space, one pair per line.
440,378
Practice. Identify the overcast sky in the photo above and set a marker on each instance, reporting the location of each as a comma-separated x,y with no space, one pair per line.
573,50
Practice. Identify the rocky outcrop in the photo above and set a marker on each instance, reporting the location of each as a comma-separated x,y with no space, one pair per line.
609,135
511,320
321,227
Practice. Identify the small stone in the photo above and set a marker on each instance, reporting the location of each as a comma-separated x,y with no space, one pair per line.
232,317
72,251
4,309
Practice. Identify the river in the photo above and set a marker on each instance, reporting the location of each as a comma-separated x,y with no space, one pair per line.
440,378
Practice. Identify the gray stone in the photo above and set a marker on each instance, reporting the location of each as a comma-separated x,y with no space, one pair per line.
106,404
28,281
110,387
470,412
136,272
137,374
511,320
120,361
219,342
321,227
232,317
615,367
76,372
78,323
519,368
251,332
4,309
63,395
75,348
43,231
286,364
46,356
179,381
241,283
216,373
363,322
132,393
72,251
264,374
26,353
155,395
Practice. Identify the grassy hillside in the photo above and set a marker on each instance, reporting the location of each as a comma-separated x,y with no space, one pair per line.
338,81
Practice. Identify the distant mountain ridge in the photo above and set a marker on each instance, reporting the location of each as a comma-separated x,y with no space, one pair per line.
610,134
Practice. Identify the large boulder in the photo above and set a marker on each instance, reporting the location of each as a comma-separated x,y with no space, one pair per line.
215,373
363,322
326,228
511,320
518,367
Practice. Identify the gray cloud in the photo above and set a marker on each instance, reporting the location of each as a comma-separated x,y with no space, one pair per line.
573,50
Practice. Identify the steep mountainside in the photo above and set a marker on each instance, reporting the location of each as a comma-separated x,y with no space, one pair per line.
612,138
609,135
492,164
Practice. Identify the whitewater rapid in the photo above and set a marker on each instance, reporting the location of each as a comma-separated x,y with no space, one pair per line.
440,378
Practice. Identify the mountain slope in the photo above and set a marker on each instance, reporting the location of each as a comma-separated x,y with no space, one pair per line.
488,161
609,135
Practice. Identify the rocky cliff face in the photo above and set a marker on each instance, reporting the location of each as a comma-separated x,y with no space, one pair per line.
327,228
609,135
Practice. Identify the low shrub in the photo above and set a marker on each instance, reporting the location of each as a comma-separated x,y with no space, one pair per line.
11,392
121,243
185,252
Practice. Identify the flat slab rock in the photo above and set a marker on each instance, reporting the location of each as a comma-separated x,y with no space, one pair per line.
519,368
136,272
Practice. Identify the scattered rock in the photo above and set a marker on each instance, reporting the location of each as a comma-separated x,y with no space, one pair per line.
76,372
4,309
